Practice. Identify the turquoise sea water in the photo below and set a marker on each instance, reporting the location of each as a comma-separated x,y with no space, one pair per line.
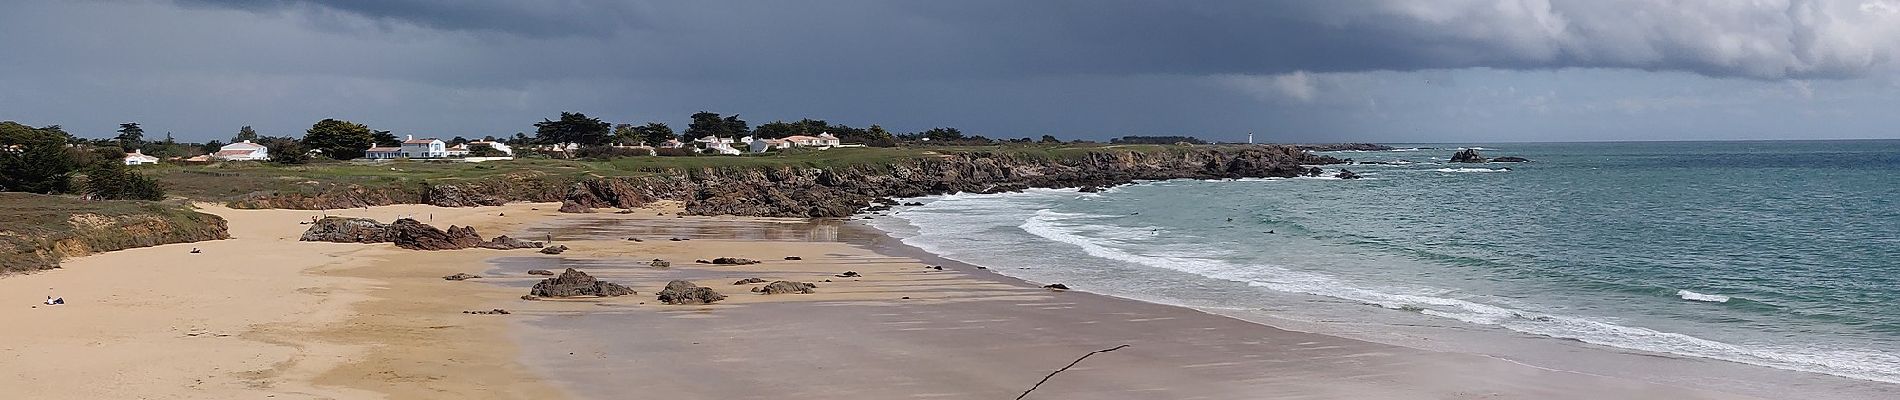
1779,254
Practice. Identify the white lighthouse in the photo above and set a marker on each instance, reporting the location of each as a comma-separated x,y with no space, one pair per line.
1249,137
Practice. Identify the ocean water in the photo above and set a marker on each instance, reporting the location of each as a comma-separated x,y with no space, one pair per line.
1777,254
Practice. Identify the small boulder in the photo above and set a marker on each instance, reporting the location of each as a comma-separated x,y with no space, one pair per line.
634,239
1090,189
1056,287
658,263
785,287
678,239
1346,174
460,276
913,204
748,281
540,272
794,258
555,249
848,274
733,261
576,283
683,292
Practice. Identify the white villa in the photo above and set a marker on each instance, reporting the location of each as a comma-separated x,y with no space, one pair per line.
717,144
822,141
242,151
424,148
136,157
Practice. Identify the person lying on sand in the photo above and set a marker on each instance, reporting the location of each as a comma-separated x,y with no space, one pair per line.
195,250
54,301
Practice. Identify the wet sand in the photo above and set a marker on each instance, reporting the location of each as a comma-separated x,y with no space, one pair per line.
963,333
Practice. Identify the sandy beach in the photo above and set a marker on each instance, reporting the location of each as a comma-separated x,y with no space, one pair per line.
263,315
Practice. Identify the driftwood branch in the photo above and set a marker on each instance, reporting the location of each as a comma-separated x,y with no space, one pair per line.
1053,374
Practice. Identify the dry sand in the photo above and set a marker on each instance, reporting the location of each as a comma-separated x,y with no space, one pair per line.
263,315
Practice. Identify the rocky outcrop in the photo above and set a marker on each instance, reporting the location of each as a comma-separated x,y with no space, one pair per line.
540,272
785,287
843,191
555,249
572,283
683,292
461,276
1347,174
504,242
1468,156
406,233
347,230
733,261
748,281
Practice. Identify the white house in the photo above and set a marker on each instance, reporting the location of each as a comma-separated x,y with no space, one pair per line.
761,145
383,153
717,145
460,150
138,158
242,151
672,144
822,140
424,148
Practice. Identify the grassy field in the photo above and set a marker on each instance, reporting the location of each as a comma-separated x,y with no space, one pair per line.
225,181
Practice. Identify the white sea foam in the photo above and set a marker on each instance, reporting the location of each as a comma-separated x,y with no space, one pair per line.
1693,296
1457,170
951,224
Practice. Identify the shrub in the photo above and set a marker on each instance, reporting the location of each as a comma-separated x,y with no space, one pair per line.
112,181
671,152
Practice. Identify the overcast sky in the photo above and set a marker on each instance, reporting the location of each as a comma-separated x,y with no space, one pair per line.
1295,71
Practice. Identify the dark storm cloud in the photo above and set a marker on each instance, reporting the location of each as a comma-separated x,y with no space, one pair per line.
1767,39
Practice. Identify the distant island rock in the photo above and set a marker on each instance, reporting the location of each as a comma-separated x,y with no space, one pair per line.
1468,156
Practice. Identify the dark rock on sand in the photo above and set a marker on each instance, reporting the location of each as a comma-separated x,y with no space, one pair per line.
410,234
683,292
1346,174
461,276
1510,159
540,272
849,274
1056,286
576,283
748,281
658,263
1468,156
488,312
794,258
504,242
733,261
785,287
555,249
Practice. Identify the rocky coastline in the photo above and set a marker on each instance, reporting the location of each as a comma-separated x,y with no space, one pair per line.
812,192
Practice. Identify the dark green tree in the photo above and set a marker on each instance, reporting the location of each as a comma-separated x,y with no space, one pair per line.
131,136
654,133
283,150
1050,139
113,181
711,124
627,134
211,146
337,139
457,140
385,139
36,160
244,133
573,128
